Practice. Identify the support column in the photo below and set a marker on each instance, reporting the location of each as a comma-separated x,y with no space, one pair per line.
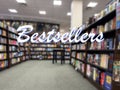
76,13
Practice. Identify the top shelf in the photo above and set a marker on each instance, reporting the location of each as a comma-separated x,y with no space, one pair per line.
102,20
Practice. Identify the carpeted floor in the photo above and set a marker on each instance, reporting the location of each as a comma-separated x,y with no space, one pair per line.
43,75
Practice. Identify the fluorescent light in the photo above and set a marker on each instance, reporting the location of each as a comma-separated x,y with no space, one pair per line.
92,4
21,1
12,10
69,14
42,12
57,2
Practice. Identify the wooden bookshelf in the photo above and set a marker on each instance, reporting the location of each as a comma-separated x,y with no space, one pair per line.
98,53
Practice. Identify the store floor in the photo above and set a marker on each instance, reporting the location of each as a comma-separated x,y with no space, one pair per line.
43,75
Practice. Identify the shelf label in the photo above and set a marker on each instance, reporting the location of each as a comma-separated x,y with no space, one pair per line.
74,36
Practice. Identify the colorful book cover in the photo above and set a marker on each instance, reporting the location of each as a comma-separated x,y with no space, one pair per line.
102,78
108,81
118,16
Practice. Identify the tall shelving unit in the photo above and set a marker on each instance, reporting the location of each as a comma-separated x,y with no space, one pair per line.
95,61
3,48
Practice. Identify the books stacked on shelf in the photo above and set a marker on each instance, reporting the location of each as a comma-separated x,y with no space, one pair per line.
104,79
73,61
3,56
13,42
73,47
118,47
12,48
109,8
3,64
15,61
80,66
3,24
81,56
102,60
107,44
116,71
3,40
82,47
74,54
2,48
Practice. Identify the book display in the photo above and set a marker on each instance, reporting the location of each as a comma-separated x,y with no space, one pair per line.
11,53
3,47
100,60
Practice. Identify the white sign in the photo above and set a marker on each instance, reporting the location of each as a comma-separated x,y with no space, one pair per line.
75,35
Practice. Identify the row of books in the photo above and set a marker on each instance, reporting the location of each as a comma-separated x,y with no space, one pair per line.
11,29
118,42
11,35
2,47
80,66
16,54
13,48
3,64
109,8
67,53
107,44
15,60
116,71
73,54
3,24
102,60
16,24
81,56
13,42
73,47
3,56
104,79
111,25
3,40
2,32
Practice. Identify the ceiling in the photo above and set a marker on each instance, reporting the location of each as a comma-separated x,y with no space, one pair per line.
55,14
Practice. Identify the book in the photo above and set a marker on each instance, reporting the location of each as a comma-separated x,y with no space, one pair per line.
116,71
108,81
104,61
102,79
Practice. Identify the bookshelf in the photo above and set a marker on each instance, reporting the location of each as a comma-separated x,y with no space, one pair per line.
11,53
3,48
99,63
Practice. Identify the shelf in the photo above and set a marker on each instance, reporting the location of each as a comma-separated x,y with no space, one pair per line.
12,38
13,32
1,69
102,21
81,60
3,51
95,83
3,36
13,51
81,50
13,45
3,44
99,67
41,51
3,60
73,57
100,51
5,29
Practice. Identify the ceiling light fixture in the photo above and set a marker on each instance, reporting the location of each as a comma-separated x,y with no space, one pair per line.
69,14
92,4
42,12
12,10
57,2
21,1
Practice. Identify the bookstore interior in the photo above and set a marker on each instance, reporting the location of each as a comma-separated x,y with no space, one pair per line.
83,34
